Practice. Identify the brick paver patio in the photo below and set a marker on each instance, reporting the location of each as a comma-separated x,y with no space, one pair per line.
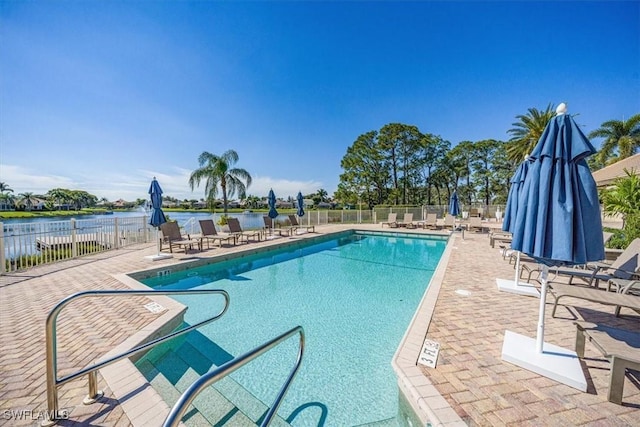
470,375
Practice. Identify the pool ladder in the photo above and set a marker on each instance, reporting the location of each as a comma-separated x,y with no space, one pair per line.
178,410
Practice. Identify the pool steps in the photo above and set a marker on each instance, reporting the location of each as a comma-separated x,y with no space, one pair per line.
223,403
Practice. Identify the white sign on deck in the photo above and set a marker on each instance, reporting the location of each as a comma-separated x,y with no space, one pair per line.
154,307
429,354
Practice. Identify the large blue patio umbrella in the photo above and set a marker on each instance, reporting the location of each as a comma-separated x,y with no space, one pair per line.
300,201
558,217
454,204
271,200
517,181
157,215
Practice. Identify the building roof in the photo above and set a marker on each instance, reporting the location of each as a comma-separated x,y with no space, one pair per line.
608,174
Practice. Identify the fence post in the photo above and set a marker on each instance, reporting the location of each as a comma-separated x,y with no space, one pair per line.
146,229
74,238
116,236
3,263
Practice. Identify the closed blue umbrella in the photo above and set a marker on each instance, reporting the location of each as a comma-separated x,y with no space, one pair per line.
517,182
271,199
558,223
157,215
300,204
454,205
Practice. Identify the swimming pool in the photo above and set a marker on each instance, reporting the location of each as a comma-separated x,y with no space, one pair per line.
354,295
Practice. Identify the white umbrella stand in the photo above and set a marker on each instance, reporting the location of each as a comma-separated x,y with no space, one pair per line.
159,255
546,359
516,286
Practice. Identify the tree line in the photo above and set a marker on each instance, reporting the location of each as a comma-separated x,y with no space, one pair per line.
396,165
399,164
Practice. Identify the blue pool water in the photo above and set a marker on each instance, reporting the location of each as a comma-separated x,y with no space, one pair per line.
354,296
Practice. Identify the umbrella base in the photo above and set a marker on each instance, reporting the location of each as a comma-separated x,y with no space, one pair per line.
554,362
158,257
520,288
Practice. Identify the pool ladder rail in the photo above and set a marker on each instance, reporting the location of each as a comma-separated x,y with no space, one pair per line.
176,413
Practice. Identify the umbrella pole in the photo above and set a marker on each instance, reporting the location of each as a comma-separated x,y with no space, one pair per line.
543,300
158,241
517,280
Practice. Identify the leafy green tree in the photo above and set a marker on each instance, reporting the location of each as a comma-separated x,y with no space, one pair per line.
432,155
623,198
364,168
527,131
460,159
621,139
400,143
217,171
482,163
252,202
59,196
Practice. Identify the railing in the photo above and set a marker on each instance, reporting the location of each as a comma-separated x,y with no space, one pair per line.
178,410
25,245
53,382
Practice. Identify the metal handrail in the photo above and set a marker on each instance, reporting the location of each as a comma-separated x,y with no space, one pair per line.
53,382
178,410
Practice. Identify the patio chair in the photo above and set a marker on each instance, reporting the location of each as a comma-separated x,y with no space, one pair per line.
475,223
270,229
449,221
618,299
391,220
171,234
236,230
209,233
431,221
626,267
295,225
503,237
621,347
407,221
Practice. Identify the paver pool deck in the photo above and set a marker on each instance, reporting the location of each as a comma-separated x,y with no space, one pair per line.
472,382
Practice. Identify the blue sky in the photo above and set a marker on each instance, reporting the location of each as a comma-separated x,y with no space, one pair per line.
102,96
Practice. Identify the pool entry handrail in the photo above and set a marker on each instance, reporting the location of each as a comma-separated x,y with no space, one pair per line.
53,382
178,410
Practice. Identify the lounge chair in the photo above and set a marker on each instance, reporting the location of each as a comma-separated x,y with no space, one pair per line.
209,233
626,267
475,223
503,237
449,221
621,347
407,221
431,221
171,234
270,229
622,298
236,230
392,220
295,225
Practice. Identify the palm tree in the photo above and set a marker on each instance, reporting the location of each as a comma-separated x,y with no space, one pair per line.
619,135
322,194
27,199
218,171
527,131
4,188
